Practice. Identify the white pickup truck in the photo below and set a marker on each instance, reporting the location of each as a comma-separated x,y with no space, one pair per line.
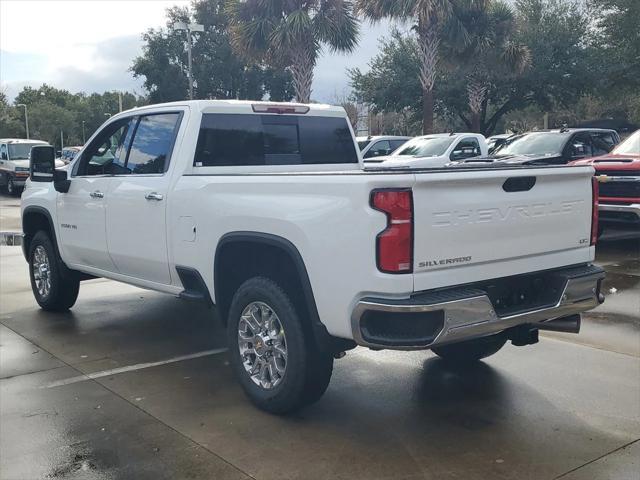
264,212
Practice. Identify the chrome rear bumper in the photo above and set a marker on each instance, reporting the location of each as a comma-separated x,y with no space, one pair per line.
462,313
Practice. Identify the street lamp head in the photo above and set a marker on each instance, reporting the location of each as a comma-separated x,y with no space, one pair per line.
21,105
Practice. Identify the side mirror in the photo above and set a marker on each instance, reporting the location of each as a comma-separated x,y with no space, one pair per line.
4,156
61,181
42,163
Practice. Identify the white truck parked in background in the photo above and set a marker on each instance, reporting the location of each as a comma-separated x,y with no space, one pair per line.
435,150
265,212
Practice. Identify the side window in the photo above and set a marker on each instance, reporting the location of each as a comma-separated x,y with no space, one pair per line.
3,152
603,143
106,154
378,149
395,144
467,147
152,143
580,146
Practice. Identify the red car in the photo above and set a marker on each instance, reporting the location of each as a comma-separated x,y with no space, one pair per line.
619,177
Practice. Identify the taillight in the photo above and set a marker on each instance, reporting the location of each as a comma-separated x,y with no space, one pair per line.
595,190
394,245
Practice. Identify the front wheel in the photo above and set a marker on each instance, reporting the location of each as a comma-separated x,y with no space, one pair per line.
471,350
278,366
54,286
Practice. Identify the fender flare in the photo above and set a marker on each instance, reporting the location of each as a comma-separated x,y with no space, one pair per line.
324,341
35,209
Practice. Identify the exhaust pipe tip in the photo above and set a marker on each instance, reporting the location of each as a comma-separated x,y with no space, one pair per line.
570,324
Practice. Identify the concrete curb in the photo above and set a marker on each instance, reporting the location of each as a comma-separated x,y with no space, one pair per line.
12,239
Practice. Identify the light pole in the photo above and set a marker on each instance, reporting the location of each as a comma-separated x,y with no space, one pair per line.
26,118
189,28
84,140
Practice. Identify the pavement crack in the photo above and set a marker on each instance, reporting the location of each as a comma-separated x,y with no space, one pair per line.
598,458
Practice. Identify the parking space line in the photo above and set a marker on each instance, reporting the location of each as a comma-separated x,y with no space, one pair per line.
131,368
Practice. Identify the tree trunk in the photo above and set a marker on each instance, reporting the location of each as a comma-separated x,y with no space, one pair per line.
429,43
476,92
427,111
302,63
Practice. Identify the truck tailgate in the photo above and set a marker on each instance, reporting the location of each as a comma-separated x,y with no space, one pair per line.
477,225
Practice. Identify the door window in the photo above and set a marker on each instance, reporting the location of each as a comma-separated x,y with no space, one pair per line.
152,144
3,152
467,147
580,146
603,142
378,149
106,154
395,144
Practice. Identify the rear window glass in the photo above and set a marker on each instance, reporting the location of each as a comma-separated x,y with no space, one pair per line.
237,139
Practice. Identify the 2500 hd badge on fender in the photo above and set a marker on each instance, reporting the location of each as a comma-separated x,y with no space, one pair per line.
264,211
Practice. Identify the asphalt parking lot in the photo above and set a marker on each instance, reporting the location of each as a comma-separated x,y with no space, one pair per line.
135,384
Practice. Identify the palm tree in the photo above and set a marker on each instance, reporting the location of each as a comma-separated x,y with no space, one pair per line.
488,50
430,18
291,33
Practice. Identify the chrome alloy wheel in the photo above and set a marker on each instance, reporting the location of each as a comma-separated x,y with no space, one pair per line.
262,345
41,271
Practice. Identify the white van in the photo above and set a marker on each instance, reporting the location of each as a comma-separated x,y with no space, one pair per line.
14,163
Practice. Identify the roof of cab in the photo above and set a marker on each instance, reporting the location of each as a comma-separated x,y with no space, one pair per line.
20,140
243,106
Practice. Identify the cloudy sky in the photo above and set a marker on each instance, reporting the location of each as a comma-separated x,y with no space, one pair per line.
89,45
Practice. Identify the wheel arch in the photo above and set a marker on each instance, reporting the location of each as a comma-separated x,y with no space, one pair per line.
34,219
254,248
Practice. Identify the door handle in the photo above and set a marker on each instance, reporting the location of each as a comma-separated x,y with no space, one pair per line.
96,194
154,196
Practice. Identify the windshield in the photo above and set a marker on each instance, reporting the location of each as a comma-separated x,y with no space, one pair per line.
425,146
631,146
363,143
21,151
539,143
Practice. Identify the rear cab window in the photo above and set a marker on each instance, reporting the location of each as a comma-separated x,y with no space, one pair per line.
241,140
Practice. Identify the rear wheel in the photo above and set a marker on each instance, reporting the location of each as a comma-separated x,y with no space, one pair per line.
278,366
54,286
471,350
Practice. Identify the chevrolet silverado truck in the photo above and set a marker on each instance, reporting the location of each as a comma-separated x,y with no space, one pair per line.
619,176
264,212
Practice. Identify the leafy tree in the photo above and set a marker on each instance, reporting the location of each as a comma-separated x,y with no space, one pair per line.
616,35
489,53
430,18
56,113
392,83
291,34
558,76
218,72
11,122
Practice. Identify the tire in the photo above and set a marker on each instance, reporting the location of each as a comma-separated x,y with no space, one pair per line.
471,350
61,291
306,373
12,189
